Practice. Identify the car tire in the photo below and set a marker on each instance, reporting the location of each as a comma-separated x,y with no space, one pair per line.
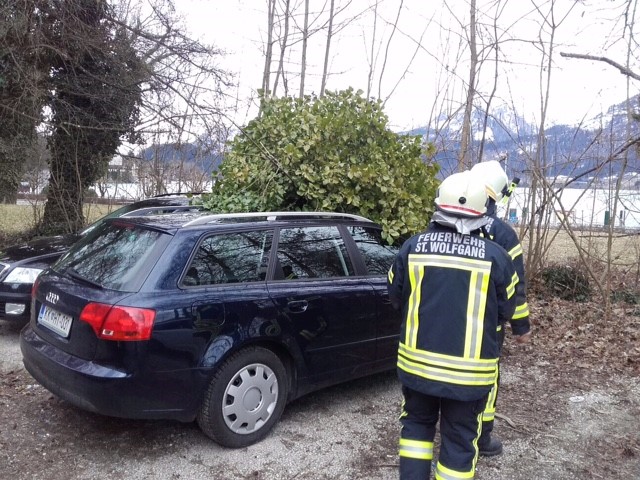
245,398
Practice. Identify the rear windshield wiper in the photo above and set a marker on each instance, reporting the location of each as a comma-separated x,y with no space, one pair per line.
73,274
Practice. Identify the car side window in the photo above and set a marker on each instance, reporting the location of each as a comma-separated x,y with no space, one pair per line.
313,252
230,258
378,255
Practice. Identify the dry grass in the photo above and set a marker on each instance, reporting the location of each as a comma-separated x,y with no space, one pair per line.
625,247
16,221
564,274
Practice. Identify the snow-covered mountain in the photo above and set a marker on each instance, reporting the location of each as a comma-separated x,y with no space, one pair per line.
569,150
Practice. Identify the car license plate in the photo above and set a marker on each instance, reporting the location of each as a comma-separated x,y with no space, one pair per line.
54,320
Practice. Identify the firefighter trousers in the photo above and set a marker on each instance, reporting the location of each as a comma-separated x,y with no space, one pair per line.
489,413
460,426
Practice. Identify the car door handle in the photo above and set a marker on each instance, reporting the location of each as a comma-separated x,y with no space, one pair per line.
297,306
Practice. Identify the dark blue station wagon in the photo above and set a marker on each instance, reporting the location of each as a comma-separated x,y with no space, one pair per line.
221,319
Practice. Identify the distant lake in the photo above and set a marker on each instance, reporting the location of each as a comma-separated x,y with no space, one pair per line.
582,207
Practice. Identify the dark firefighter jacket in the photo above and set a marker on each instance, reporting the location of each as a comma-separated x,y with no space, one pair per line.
454,290
504,235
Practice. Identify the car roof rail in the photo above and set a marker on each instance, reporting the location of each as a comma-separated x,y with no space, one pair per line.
176,194
161,209
273,216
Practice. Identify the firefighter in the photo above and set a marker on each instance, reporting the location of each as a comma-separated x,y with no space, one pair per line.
498,187
454,288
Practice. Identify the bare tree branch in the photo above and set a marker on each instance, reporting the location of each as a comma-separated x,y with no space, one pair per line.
623,70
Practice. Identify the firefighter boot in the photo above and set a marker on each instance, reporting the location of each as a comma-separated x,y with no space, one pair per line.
489,446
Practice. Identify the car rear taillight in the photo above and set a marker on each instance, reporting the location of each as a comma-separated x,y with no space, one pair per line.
34,288
113,322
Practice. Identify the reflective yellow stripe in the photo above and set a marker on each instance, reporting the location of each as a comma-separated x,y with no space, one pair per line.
403,413
470,329
451,262
479,285
416,449
445,375
448,361
444,473
511,289
522,311
415,278
491,404
489,415
515,251
490,409
390,276
475,442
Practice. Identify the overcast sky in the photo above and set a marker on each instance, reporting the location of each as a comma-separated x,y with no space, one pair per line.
415,83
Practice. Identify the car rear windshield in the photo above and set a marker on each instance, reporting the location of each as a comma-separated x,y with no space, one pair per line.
116,255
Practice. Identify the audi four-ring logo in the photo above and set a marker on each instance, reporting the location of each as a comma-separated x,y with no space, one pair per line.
52,297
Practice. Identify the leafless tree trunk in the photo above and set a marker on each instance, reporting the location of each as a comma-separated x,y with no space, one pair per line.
325,69
305,39
268,56
464,161
283,48
386,52
631,46
491,96
538,229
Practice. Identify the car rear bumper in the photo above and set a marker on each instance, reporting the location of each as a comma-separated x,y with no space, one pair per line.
106,390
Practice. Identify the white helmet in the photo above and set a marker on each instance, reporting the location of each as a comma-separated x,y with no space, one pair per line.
459,195
494,177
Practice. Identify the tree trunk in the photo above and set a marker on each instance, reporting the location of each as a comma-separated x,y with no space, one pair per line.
266,75
283,48
464,162
386,52
305,38
372,62
327,49
63,210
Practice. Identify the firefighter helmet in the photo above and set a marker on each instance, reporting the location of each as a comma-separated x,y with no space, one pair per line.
459,195
494,177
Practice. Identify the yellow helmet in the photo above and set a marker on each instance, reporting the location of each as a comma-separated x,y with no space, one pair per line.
461,196
494,177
